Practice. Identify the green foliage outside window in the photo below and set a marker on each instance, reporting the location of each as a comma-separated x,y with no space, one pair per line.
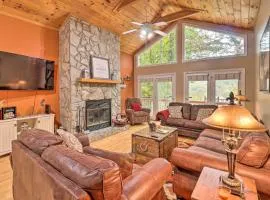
201,43
161,52
147,89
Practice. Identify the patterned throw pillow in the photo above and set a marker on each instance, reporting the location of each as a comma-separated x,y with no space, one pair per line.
70,140
204,113
175,111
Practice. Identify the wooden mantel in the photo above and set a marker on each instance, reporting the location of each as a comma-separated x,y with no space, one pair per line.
101,81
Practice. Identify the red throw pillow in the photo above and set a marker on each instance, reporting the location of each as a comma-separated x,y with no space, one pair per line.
136,106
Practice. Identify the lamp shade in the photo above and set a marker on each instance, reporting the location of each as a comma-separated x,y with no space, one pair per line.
234,117
241,97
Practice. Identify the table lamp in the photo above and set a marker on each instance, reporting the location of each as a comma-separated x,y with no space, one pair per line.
233,118
241,98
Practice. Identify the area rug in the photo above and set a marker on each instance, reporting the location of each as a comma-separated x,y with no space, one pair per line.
185,142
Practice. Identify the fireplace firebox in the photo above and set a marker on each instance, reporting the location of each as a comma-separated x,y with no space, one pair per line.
98,114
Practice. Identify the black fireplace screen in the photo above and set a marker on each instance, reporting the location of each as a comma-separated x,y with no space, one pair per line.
98,114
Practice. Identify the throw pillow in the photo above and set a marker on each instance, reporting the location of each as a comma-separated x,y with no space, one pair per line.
70,140
175,112
255,150
204,113
136,106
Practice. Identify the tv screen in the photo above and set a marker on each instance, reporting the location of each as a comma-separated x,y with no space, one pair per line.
19,72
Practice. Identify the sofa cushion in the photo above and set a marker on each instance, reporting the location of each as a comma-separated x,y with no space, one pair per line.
123,160
195,109
204,113
185,108
210,144
38,140
176,112
195,125
210,133
70,140
140,114
99,177
267,164
254,150
176,122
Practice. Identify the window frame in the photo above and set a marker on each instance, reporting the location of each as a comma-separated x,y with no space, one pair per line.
220,30
151,43
211,93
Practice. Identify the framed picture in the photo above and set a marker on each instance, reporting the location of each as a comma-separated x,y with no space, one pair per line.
265,59
99,68
8,112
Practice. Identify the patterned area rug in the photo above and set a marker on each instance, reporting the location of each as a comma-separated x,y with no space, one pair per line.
185,142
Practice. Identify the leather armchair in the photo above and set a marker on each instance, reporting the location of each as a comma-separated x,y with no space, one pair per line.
136,117
43,168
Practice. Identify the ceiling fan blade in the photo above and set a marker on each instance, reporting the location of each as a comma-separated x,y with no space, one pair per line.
137,23
130,31
160,24
176,16
160,33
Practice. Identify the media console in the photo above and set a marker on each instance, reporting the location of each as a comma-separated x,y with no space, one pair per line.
10,128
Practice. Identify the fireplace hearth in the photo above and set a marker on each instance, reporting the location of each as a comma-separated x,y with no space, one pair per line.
98,114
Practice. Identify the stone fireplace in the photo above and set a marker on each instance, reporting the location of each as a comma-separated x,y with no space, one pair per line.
78,41
98,114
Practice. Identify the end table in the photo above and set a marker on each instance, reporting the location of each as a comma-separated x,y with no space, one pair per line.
208,183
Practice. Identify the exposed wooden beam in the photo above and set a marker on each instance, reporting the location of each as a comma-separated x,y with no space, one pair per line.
123,3
176,16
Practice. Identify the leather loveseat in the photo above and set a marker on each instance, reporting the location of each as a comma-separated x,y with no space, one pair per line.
45,169
252,161
187,126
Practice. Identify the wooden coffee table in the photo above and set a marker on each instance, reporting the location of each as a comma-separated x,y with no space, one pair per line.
147,145
207,186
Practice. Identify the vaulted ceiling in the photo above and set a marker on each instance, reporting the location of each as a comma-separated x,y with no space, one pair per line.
116,15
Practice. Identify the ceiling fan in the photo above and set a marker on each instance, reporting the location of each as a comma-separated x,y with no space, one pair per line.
148,29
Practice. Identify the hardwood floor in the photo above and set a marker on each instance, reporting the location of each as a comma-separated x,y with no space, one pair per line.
120,142
5,179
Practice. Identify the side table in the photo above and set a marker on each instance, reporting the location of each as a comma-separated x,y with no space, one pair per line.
207,186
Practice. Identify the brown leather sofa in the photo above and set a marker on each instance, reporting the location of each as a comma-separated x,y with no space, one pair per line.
252,161
187,126
136,117
45,169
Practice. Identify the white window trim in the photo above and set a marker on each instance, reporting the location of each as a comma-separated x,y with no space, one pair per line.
211,73
136,57
155,78
220,30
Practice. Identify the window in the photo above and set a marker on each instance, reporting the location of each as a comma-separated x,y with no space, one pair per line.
213,86
197,88
224,87
197,91
146,93
161,52
202,44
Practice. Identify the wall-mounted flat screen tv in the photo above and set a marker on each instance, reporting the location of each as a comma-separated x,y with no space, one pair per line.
18,72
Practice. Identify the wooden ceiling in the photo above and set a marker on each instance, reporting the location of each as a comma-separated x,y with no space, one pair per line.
116,15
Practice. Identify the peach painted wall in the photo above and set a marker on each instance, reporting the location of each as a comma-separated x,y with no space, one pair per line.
126,62
21,37
262,99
